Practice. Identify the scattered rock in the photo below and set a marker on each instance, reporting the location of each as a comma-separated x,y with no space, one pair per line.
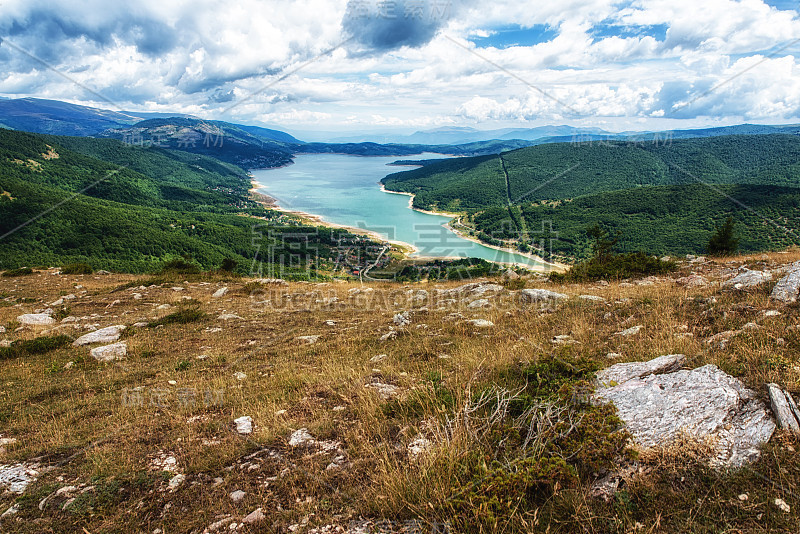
238,495
401,319
704,403
308,339
35,319
480,323
781,504
564,339
632,331
12,510
594,298
301,438
510,275
419,446
255,516
541,295
244,424
221,292
385,391
108,353
239,375
228,316
176,481
784,408
16,477
108,334
479,303
788,287
693,280
378,358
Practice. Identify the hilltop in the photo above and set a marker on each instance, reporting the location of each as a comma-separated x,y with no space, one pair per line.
272,406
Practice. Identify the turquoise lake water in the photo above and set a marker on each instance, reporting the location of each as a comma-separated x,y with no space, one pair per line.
344,190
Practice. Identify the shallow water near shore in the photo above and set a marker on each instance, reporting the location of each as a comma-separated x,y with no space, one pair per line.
344,190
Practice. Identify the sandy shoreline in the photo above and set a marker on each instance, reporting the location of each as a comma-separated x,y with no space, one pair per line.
533,257
408,248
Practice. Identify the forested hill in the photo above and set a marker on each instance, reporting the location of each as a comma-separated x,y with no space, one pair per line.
658,198
567,170
129,208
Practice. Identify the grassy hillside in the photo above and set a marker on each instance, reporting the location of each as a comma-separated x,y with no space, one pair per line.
429,436
659,220
137,208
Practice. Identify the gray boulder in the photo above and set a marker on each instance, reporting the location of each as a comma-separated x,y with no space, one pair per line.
108,353
108,334
704,403
541,295
788,287
35,319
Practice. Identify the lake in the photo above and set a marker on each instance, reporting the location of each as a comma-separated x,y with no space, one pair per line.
344,190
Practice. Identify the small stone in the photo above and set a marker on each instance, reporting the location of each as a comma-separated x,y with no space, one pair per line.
69,365
378,358
743,497
228,316
301,438
541,295
238,495
480,303
176,481
239,375
244,424
401,319
221,292
310,340
780,503
172,382
480,323
632,331
254,517
339,408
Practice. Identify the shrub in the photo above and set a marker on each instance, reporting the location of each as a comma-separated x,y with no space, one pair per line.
39,345
615,267
181,266
228,265
723,243
183,316
22,271
77,268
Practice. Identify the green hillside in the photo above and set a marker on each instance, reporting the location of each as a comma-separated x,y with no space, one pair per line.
661,198
59,205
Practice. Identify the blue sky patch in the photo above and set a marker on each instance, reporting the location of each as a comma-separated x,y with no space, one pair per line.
516,35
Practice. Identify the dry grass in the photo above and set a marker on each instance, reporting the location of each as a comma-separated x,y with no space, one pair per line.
85,422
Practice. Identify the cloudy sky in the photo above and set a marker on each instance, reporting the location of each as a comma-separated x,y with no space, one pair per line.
413,64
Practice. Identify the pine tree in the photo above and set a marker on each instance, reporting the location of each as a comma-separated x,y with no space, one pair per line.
723,243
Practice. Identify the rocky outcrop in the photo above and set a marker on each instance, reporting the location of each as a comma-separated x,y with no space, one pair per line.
747,279
109,353
703,403
35,319
788,287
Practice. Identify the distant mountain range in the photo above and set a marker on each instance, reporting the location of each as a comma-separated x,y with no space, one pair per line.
258,147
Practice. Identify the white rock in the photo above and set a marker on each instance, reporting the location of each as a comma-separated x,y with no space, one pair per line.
632,331
378,358
385,391
16,477
108,353
308,339
301,438
176,481
479,303
541,295
401,319
622,372
221,292
238,495
788,287
748,279
593,298
239,375
228,316
780,503
419,446
2,329
244,424
704,403
255,516
480,323
104,335
35,319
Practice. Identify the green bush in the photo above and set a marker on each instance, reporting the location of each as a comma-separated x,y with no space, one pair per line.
181,266
77,268
723,243
615,267
183,316
39,345
22,271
